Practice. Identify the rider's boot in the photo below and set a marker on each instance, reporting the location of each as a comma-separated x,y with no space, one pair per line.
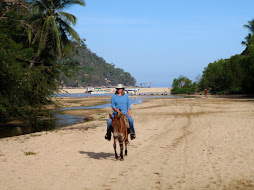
108,135
133,135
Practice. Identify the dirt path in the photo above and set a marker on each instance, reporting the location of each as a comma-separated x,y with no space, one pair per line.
181,144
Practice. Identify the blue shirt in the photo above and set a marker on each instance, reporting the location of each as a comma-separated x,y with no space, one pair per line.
120,102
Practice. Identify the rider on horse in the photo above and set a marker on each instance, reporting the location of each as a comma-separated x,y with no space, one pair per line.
120,103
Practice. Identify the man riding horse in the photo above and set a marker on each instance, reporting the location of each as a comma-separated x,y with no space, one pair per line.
120,103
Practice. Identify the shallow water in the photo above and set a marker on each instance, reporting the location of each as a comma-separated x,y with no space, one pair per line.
81,95
133,101
62,120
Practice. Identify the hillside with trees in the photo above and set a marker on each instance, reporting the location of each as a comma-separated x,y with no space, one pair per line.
92,70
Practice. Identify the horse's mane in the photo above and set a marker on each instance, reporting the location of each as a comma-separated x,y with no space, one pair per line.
124,118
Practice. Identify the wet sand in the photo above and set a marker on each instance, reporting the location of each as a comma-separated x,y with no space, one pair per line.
205,143
68,102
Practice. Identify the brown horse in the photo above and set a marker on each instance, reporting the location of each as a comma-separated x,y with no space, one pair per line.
120,133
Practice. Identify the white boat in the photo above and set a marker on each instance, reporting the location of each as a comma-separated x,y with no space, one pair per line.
132,91
99,92
89,90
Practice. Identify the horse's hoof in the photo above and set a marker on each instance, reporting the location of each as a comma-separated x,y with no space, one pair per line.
117,157
122,159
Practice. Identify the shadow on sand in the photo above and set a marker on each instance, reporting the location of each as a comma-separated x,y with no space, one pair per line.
98,155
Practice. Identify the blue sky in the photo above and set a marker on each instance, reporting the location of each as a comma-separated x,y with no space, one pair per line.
159,40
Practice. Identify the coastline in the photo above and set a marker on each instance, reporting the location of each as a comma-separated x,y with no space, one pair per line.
112,90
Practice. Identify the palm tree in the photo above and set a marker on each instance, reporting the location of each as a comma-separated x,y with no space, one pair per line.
52,26
248,39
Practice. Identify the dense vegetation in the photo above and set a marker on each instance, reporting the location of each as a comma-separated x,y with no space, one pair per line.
93,71
183,85
37,40
229,76
27,69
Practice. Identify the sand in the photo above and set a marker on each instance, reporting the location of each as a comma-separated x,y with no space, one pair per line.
181,144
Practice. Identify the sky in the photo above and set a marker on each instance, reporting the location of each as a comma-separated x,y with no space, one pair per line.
157,41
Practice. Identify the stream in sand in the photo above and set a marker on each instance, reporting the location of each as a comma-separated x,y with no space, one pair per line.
63,120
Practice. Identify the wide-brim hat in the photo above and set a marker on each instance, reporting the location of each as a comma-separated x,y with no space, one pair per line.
119,86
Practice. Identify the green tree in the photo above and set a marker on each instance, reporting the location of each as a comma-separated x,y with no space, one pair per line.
24,90
51,26
183,85
248,38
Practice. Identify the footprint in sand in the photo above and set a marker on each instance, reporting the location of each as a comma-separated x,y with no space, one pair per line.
113,180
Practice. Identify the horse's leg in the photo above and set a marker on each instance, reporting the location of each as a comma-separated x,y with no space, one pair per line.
126,143
116,156
121,154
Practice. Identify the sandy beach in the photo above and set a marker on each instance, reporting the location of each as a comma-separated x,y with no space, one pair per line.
187,143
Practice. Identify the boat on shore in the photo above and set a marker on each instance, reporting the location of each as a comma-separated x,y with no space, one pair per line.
92,90
99,92
132,91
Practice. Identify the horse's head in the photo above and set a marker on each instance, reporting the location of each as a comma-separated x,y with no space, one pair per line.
116,124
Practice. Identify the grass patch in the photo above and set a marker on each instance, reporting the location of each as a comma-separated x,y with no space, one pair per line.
35,135
29,153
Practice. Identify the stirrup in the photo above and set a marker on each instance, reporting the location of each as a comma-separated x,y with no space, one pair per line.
108,137
133,136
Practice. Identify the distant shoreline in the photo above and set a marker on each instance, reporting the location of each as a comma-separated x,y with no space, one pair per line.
112,90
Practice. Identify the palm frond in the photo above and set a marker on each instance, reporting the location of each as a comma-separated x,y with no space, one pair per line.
29,34
36,36
246,26
243,43
67,3
67,28
52,26
68,17
65,42
43,36
250,26
39,6
247,38
58,41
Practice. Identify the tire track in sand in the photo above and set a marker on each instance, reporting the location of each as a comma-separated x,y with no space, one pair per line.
207,147
184,141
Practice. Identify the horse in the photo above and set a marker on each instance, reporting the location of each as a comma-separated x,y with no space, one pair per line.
120,133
